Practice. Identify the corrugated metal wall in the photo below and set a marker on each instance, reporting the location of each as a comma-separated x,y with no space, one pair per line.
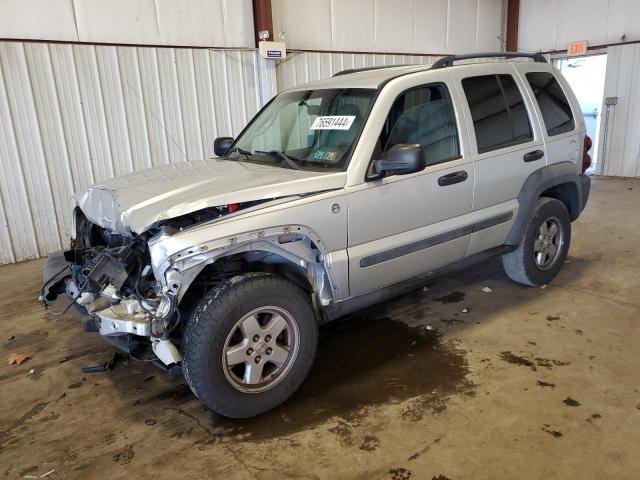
403,26
622,125
302,67
73,115
195,23
552,24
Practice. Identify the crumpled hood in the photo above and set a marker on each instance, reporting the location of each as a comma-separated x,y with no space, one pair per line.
136,201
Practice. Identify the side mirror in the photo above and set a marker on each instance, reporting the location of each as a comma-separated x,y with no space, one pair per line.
221,145
401,159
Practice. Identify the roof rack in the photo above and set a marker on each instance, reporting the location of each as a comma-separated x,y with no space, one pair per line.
366,69
448,61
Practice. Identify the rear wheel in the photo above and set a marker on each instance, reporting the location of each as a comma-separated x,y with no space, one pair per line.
543,247
249,344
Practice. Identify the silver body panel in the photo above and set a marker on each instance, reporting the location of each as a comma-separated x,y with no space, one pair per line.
313,217
136,201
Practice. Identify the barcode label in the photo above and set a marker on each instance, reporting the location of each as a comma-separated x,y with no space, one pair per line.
333,122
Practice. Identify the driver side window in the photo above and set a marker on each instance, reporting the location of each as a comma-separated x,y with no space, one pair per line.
422,115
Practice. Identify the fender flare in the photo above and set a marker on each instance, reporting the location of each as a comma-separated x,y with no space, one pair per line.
533,187
300,247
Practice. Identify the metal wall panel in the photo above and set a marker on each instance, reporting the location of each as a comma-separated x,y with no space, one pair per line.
74,115
405,26
621,155
303,67
205,23
552,24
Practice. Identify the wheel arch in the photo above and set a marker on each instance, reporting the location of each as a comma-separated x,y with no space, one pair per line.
567,193
296,258
558,180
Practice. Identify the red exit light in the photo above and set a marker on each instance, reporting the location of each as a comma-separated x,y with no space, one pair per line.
577,48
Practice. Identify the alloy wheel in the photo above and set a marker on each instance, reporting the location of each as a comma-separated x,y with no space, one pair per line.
548,243
260,349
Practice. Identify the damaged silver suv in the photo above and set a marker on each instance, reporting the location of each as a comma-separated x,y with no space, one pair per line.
338,194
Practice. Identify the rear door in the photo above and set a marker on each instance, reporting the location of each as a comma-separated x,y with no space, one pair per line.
506,144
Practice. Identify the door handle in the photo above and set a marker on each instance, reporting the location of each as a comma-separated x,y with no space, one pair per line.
533,156
451,178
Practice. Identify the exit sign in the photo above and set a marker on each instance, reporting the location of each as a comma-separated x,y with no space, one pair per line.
577,48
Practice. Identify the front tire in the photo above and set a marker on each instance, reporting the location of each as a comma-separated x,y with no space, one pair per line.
249,344
543,247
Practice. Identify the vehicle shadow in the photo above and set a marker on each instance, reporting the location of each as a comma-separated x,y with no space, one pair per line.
403,349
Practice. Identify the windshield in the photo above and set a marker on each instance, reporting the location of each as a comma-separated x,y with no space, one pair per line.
309,130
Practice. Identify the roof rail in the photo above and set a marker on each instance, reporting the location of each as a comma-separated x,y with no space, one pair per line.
366,69
448,61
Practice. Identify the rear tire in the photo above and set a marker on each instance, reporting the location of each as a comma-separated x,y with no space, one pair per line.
249,344
544,245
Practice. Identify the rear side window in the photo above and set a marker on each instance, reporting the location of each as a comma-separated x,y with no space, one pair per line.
498,111
553,103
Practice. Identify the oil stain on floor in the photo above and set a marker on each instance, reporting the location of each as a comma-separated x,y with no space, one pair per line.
361,363
453,297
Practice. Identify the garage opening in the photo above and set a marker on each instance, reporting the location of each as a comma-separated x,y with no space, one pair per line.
586,77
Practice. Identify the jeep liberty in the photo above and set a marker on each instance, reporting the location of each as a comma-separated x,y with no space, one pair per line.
338,194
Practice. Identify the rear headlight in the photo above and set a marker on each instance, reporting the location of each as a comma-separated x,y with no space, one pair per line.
586,158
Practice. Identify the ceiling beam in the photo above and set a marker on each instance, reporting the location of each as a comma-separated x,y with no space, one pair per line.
513,16
262,19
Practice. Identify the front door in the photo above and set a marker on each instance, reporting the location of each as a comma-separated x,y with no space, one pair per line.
404,225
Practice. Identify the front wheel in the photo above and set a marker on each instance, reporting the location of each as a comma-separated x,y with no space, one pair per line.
543,247
249,344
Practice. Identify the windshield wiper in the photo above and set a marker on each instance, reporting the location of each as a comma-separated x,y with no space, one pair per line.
290,161
241,151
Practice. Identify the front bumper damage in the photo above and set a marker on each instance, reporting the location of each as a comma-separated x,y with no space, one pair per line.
127,323
125,317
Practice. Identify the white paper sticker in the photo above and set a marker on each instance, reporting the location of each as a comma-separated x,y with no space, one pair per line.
333,122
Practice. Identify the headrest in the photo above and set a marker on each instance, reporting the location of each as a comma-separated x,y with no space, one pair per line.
349,109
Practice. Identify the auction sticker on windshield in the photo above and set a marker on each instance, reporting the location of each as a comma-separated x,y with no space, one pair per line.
333,122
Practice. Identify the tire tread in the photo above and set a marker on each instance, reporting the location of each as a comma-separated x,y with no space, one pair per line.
517,264
205,324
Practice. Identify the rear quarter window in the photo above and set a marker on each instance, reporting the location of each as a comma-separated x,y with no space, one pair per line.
553,103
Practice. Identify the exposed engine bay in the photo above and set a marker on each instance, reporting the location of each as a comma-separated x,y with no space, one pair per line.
136,271
109,279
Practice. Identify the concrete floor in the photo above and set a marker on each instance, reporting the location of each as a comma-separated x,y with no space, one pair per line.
535,383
